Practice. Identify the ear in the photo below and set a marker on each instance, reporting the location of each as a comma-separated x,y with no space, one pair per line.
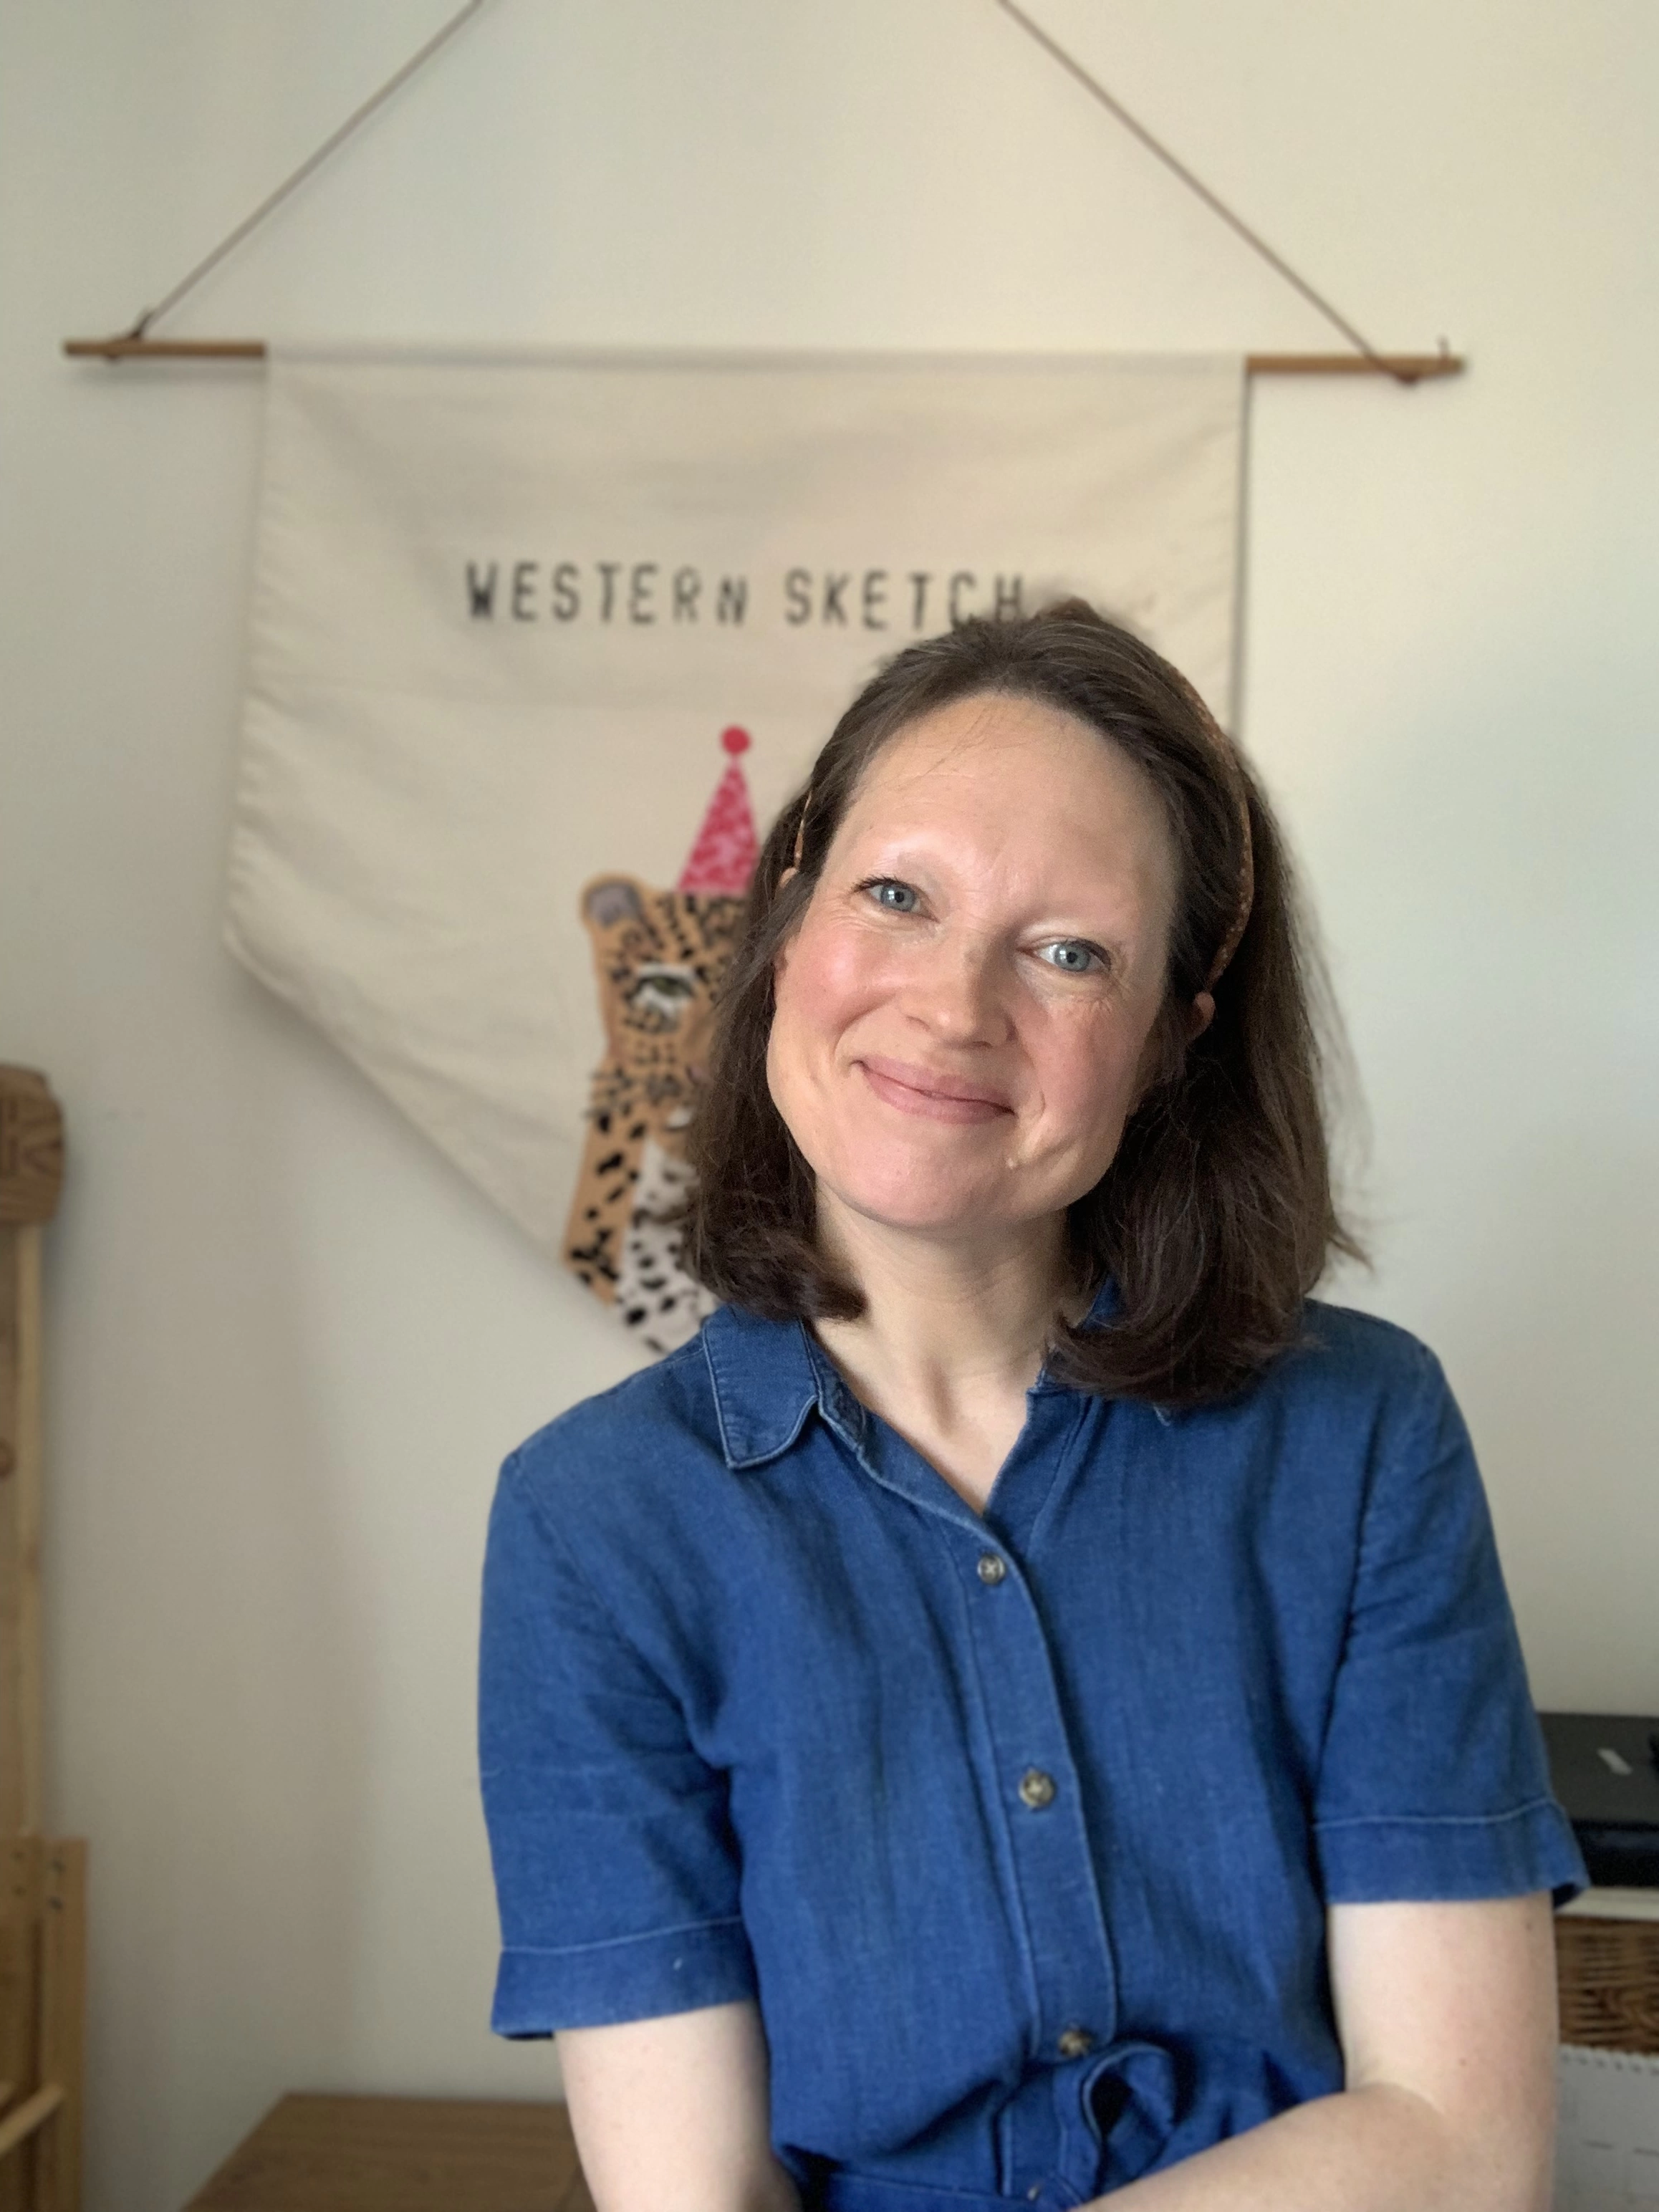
780,959
1160,1057
607,900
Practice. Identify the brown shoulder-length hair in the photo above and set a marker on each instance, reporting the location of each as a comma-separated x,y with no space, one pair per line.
1216,1216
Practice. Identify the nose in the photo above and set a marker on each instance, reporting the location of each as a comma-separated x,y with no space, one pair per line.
956,989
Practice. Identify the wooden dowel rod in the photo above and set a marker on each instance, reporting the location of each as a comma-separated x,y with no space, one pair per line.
17,2127
166,349
1412,368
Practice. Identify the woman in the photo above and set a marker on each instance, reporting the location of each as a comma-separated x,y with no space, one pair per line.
1023,1707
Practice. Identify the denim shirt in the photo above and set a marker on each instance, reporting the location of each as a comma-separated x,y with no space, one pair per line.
1020,1825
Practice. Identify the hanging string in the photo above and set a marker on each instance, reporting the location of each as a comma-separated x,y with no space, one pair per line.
358,117
1211,200
1402,371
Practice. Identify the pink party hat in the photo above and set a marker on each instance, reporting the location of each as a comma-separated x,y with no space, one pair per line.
723,859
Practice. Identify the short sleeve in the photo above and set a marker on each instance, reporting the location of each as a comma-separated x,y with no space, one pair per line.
616,1871
1433,1780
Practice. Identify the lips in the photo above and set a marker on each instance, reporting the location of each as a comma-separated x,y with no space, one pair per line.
919,1090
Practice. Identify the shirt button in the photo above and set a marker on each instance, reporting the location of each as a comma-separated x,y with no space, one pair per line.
1072,2042
991,1568
1037,1788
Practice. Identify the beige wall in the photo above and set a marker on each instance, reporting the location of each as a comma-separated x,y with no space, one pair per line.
289,1345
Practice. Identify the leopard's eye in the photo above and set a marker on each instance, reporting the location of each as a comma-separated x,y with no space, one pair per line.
662,992
663,983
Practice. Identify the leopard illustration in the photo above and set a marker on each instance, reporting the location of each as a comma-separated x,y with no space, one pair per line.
659,957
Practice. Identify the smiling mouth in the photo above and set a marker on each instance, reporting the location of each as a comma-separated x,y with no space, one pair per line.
911,1096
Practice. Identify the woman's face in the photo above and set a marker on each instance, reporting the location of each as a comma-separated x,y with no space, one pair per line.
964,1014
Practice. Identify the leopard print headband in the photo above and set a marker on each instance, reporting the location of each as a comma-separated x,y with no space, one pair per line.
1226,758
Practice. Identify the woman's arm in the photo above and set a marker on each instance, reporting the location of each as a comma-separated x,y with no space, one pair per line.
673,2114
1446,2013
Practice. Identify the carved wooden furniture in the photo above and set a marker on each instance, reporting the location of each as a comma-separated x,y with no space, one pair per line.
42,1880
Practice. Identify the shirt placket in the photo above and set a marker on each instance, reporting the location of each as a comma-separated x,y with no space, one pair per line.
1053,1898
1038,1794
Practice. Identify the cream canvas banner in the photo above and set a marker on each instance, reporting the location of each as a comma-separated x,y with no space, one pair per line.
539,644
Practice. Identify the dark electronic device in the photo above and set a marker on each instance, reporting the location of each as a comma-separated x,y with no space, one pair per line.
1604,1769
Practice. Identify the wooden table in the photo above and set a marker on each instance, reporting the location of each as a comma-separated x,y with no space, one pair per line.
313,2153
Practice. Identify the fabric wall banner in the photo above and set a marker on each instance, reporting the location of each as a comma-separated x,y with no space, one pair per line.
539,645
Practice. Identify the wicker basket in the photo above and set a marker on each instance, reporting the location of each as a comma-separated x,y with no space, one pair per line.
1608,1973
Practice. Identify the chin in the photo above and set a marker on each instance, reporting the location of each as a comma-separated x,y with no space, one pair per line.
902,1193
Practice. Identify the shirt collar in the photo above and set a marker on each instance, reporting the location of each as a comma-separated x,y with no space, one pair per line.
768,1375
764,1379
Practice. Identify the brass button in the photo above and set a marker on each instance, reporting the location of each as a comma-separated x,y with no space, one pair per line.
1037,1788
991,1568
1072,2042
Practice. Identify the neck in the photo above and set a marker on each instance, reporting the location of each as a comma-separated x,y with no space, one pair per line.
948,1325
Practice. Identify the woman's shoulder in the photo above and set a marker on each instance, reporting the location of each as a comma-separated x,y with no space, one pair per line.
1345,1361
654,1426
1356,1415
1346,1341
637,1484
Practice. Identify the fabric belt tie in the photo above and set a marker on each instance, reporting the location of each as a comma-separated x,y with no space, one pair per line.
1122,2111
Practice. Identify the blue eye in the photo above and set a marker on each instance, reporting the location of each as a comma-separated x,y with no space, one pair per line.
1082,960
880,885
